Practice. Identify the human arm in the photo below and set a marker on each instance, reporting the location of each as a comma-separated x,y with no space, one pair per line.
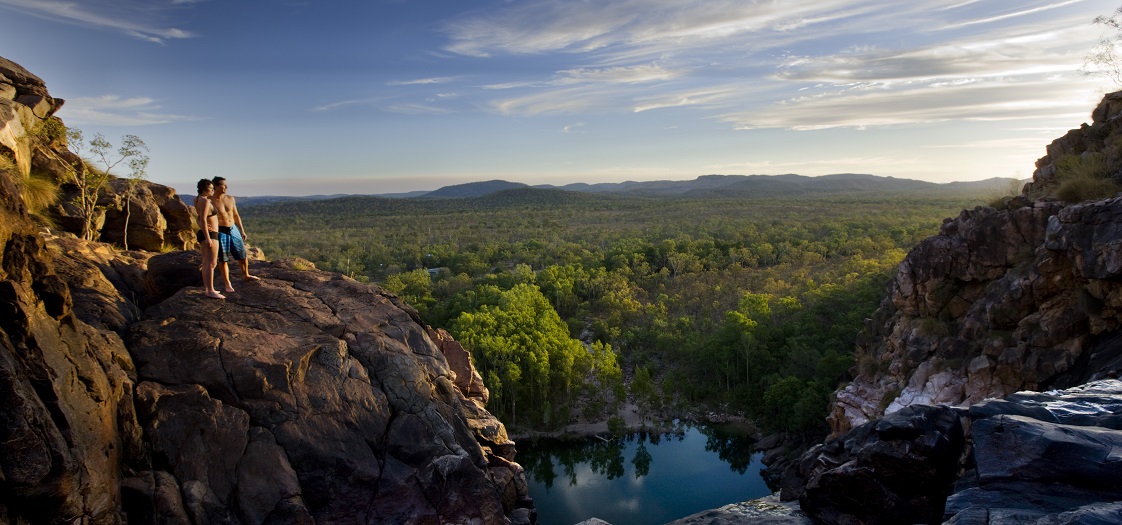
200,212
237,217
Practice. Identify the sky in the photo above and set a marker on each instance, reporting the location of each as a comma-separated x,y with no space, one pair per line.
295,97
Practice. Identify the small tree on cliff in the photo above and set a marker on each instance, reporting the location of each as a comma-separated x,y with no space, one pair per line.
138,171
90,179
1105,59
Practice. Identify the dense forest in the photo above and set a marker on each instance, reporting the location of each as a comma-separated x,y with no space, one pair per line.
573,302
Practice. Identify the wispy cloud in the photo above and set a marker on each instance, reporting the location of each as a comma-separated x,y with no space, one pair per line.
421,81
740,61
615,75
345,103
145,20
417,109
1011,14
112,110
878,106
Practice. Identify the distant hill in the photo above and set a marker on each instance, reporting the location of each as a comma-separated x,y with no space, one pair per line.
270,199
782,185
474,189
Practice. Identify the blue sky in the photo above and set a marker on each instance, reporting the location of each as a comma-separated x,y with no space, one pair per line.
289,97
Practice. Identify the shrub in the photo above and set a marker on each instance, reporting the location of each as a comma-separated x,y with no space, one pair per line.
1083,178
52,130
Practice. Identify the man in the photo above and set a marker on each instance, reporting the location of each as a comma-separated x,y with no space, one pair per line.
231,233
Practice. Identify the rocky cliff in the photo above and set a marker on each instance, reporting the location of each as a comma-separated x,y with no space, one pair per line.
955,413
1025,296
127,396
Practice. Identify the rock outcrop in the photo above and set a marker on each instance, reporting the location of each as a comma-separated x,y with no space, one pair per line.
154,214
127,396
1024,297
1031,458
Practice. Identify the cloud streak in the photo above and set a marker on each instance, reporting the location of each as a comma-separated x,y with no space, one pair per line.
739,61
137,19
112,110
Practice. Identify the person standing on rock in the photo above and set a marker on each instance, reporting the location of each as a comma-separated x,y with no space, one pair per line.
207,235
231,233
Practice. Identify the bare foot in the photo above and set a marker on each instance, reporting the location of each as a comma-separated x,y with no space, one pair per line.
215,295
251,278
229,289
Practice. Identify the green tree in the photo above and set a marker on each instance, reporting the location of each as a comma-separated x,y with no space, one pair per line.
520,343
90,176
415,287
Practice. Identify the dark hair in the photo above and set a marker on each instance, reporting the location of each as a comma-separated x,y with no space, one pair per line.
216,180
203,183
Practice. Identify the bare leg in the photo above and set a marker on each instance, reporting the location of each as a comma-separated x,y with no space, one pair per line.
210,257
244,263
226,275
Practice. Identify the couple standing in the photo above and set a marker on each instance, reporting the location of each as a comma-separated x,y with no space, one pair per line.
222,236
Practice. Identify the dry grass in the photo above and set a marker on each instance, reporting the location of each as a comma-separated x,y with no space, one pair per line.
1000,195
1084,178
39,193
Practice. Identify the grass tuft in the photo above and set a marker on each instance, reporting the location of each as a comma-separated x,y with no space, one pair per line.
1084,178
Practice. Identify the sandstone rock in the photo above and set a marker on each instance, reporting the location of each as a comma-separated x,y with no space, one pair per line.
14,132
171,272
24,105
145,222
1044,458
153,497
344,389
66,388
107,285
764,511
899,469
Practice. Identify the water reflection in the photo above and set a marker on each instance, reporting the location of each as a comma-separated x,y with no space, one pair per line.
732,445
643,478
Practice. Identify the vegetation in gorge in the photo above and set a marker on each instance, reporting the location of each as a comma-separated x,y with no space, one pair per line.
746,305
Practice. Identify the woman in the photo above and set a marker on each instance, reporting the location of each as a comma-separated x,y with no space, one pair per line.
207,236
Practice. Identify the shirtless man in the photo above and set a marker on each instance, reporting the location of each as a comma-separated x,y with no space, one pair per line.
231,233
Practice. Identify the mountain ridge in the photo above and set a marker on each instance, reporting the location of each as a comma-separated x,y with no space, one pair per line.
704,186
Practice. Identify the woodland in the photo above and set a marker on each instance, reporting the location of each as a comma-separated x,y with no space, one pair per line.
572,303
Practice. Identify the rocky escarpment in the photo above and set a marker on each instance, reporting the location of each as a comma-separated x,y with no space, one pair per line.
1026,296
945,420
126,396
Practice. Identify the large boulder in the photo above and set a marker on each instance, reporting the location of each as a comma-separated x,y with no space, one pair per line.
899,469
1030,458
24,104
157,218
347,384
1048,457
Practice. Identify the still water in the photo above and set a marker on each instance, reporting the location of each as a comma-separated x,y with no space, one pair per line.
643,479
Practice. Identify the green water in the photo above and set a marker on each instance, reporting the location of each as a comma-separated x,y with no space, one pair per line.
641,479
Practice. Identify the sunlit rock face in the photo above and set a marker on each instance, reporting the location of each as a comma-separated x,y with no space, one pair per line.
127,396
1023,297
